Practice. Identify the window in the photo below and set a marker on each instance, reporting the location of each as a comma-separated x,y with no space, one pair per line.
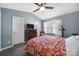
52,27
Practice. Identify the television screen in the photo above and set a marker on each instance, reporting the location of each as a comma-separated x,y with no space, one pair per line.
30,26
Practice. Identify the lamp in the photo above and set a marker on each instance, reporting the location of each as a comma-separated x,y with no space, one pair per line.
42,8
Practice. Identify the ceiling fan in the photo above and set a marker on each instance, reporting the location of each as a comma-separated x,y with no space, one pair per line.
42,7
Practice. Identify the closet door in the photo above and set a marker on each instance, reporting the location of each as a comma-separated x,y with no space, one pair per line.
18,30
0,29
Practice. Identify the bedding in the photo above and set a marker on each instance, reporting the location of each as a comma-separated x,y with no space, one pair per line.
72,46
46,46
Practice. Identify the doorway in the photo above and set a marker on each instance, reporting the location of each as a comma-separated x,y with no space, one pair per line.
18,30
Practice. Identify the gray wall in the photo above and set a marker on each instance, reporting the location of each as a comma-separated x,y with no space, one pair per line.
70,23
6,25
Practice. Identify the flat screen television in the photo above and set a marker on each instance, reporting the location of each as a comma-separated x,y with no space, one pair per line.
30,26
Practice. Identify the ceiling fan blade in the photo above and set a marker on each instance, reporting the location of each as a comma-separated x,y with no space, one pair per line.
37,4
36,10
49,7
43,4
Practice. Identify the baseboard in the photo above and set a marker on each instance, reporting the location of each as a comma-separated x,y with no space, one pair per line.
23,42
9,46
6,47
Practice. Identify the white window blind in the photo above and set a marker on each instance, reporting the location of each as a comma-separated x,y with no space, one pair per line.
52,27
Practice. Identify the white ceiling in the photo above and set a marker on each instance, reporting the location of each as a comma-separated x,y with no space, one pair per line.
59,8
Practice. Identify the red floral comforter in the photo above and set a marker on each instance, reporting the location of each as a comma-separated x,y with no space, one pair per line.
46,46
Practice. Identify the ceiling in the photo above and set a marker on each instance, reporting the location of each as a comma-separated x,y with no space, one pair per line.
59,9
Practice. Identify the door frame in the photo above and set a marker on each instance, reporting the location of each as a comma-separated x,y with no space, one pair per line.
13,43
0,33
0,29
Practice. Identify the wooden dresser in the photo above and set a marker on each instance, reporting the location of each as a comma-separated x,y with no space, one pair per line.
30,33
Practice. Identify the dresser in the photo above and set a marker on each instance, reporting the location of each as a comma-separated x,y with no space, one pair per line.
30,33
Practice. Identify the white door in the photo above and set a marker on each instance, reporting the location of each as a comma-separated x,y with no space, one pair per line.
0,29
18,30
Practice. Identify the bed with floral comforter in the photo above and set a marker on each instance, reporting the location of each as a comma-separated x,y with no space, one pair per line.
46,46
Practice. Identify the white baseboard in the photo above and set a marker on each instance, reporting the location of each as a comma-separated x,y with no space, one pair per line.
23,42
6,47
9,46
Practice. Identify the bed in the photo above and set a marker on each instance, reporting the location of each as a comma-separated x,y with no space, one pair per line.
46,46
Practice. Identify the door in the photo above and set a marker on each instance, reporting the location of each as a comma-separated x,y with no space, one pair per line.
18,30
0,29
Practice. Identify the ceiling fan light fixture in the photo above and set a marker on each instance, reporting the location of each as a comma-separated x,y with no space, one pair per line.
42,8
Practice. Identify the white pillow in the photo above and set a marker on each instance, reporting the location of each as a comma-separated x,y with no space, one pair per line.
71,46
77,37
